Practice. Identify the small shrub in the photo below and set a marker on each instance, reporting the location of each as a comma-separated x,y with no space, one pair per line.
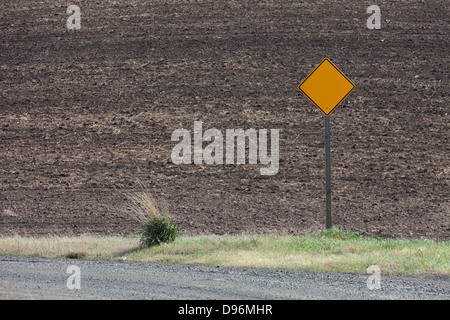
157,230
154,222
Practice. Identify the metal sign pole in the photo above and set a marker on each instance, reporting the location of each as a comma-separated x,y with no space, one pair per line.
327,172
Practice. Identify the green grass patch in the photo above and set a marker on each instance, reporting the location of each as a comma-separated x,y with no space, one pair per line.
331,250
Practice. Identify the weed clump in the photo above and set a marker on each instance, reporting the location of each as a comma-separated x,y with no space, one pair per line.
157,230
155,226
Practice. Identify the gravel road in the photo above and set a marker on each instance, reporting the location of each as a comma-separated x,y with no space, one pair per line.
38,278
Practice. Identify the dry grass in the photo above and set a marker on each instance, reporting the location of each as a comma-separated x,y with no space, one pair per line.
86,247
336,251
144,206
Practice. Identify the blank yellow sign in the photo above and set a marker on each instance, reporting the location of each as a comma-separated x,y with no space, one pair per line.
326,86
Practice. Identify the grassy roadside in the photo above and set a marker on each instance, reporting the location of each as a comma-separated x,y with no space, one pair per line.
331,250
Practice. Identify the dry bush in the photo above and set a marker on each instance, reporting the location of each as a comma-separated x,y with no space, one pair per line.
154,221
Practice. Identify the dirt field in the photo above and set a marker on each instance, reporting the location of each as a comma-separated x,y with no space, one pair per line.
86,114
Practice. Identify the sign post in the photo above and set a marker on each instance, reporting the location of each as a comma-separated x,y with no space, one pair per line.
326,86
327,173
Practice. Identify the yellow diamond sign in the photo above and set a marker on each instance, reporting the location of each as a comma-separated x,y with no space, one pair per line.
326,86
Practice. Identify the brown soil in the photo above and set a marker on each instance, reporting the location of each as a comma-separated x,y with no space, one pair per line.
86,114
